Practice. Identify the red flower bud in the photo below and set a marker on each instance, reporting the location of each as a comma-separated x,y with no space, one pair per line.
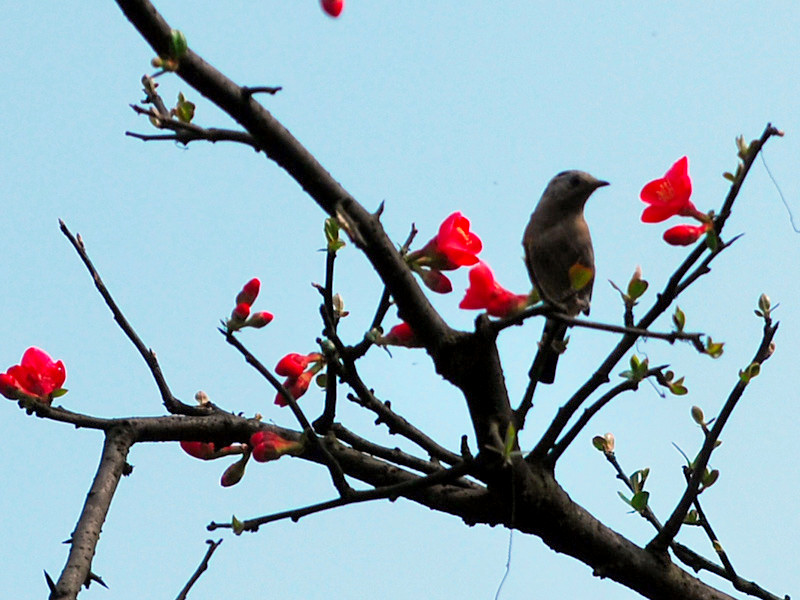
234,473
201,450
249,292
333,7
259,319
436,281
270,446
241,312
293,364
684,235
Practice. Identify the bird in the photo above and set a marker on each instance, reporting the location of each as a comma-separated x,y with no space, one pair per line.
560,258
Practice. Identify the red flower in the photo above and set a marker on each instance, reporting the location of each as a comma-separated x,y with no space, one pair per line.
401,335
669,195
484,292
454,246
36,376
296,386
684,235
292,365
202,450
268,446
249,292
333,7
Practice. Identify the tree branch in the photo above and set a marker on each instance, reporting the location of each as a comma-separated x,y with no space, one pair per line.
171,403
83,540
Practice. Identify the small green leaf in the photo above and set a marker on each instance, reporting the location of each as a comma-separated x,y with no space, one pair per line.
714,349
599,442
184,109
717,547
177,44
710,477
677,388
692,518
508,445
637,286
698,416
729,176
580,276
742,147
59,392
679,319
624,498
334,242
322,380
764,305
237,525
639,501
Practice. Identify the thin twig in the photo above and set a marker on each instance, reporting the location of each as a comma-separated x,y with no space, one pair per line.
673,524
593,409
390,491
172,404
212,546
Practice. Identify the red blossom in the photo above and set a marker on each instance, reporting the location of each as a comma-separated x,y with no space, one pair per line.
333,7
202,450
454,246
268,446
685,235
249,292
36,376
401,335
485,293
669,196
296,386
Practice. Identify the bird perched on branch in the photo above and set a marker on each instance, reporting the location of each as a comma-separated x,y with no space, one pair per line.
560,260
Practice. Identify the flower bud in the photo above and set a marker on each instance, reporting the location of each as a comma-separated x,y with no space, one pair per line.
249,292
259,319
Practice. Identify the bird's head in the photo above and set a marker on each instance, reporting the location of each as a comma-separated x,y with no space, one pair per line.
569,190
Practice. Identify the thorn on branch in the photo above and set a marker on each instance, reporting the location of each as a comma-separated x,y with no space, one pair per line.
248,91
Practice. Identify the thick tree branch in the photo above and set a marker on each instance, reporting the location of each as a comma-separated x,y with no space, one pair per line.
83,540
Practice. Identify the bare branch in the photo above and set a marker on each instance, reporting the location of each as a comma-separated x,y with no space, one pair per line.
391,491
212,546
171,403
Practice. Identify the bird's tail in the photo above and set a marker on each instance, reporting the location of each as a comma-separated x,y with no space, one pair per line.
551,345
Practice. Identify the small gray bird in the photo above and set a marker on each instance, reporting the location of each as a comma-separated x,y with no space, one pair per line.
558,253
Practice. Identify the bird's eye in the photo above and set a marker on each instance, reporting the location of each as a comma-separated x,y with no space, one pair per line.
574,181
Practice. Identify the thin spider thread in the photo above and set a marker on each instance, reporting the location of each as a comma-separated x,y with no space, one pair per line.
780,193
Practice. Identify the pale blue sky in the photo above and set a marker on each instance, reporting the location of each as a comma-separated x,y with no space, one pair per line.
431,107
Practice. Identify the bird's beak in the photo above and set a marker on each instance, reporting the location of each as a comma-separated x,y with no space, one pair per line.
599,184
